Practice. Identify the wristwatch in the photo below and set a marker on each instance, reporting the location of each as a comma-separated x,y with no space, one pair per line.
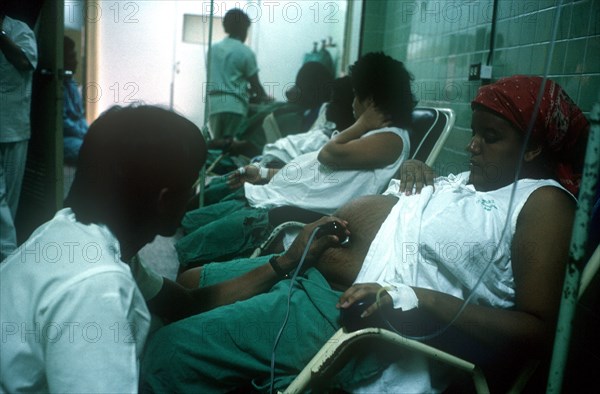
278,270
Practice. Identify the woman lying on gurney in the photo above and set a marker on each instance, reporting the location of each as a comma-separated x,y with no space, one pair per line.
427,250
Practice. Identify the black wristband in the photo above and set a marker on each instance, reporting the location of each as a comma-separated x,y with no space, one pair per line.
277,268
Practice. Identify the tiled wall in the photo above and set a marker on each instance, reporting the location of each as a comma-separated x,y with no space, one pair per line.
439,39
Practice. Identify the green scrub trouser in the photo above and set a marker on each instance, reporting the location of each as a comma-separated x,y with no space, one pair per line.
231,346
221,231
225,124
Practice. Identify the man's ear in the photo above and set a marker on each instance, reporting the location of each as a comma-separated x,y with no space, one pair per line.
532,153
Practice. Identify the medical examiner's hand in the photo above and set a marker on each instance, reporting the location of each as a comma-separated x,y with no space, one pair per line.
414,174
372,118
318,246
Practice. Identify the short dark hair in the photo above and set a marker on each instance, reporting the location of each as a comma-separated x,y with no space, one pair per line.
339,110
387,81
236,22
128,155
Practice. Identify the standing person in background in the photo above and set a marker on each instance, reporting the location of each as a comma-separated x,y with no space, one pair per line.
18,59
232,68
75,125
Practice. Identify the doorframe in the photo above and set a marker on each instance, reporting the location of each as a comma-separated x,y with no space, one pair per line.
42,190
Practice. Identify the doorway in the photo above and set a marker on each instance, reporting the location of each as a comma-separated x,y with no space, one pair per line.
155,52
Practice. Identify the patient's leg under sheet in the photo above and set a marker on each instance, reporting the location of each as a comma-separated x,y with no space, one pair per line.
199,217
228,235
230,346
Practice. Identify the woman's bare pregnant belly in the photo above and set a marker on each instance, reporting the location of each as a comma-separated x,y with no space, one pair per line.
340,266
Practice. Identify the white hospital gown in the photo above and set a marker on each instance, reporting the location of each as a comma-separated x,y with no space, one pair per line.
444,240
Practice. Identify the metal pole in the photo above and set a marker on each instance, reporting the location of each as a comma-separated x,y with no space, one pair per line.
576,256
208,56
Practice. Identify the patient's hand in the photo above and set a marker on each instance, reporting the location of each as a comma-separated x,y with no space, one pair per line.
414,174
317,247
372,118
363,290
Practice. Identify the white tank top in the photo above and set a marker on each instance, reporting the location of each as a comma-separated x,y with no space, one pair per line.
444,240
306,183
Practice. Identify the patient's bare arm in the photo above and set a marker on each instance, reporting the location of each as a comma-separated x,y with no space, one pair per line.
364,215
175,301
351,150
539,254
251,173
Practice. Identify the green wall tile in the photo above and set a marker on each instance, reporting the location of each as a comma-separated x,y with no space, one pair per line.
543,27
528,26
575,56
580,19
525,57
564,21
571,85
592,55
450,161
514,32
594,27
513,65
538,58
481,38
558,57
438,53
589,92
543,4
501,34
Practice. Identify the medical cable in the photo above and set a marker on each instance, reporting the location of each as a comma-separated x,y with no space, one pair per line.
493,33
511,200
287,312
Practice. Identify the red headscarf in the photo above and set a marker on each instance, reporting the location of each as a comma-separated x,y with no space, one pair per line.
559,124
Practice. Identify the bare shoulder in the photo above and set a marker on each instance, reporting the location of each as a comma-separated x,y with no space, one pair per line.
540,250
546,220
548,203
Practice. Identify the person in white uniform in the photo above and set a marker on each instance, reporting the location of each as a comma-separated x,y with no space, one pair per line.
424,254
73,319
18,59
72,297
